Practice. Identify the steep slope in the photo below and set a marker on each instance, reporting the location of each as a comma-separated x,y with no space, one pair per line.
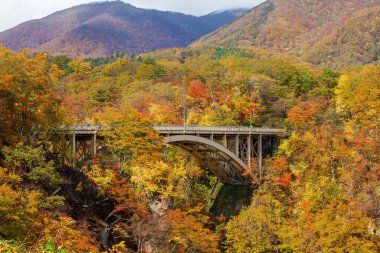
356,42
304,27
105,28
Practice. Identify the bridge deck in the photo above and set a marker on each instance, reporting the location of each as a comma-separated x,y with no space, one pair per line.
84,129
218,130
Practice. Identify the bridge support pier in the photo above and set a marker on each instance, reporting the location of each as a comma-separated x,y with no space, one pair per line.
260,156
74,149
249,158
74,145
94,144
237,145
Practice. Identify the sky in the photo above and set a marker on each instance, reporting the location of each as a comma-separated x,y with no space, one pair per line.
14,12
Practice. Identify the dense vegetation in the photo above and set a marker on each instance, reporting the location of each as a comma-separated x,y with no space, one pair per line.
321,191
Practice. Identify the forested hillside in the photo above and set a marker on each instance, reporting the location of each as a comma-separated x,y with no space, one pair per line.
321,190
106,28
328,33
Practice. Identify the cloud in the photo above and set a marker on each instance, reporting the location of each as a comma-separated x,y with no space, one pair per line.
195,7
14,12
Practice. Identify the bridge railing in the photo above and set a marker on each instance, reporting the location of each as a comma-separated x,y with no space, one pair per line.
226,129
187,129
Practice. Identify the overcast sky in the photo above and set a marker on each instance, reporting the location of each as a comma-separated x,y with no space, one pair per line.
14,12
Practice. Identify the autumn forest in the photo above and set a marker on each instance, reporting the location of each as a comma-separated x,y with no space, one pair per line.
320,191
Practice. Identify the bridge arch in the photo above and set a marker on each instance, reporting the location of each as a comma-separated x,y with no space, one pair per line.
227,166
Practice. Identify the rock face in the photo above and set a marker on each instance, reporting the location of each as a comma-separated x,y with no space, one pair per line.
101,29
323,32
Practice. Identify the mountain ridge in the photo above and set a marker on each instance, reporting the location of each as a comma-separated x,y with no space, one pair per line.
104,28
297,27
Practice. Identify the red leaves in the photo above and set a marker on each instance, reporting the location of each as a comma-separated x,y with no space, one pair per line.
363,144
305,205
306,113
197,90
281,164
285,177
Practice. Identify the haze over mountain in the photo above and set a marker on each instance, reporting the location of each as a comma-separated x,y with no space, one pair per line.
322,32
104,28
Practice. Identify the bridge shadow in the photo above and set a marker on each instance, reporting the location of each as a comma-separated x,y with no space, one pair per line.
231,199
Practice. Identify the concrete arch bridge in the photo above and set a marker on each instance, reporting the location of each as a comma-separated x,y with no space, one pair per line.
233,154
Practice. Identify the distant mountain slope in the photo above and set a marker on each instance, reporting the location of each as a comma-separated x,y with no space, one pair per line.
324,32
356,42
105,28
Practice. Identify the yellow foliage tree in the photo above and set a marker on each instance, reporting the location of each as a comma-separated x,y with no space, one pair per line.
18,207
158,178
129,135
357,98
27,100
